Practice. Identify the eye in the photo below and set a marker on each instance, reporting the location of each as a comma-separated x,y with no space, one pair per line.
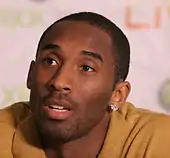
87,68
50,61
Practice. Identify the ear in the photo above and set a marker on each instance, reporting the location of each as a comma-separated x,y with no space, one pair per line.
30,75
120,93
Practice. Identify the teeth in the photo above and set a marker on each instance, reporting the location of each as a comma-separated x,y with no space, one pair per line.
56,107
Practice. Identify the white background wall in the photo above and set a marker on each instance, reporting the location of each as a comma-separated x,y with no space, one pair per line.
145,22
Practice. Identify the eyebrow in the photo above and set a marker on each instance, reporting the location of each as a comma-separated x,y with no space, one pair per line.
51,46
92,54
84,52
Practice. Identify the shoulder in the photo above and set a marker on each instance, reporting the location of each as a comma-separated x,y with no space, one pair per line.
134,115
10,117
14,113
149,132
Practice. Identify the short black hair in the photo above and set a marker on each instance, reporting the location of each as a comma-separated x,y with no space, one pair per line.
119,39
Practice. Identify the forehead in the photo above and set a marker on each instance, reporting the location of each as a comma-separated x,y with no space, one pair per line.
79,35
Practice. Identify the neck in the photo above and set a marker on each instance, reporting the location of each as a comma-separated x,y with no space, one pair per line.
87,146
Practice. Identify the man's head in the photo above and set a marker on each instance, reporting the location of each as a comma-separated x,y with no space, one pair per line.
121,48
81,63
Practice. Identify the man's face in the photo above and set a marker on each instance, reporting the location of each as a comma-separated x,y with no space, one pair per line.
72,80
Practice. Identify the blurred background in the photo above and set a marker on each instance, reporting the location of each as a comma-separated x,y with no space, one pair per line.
145,22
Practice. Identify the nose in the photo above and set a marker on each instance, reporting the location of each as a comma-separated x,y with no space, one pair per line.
61,81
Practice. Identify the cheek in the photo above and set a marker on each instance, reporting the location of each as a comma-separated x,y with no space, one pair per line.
42,76
99,83
96,90
40,81
93,100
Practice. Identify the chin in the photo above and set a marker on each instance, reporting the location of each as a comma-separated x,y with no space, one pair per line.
57,131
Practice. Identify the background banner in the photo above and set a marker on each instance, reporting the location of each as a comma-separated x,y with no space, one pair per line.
146,24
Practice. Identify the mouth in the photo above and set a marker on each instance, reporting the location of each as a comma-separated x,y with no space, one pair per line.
57,111
58,108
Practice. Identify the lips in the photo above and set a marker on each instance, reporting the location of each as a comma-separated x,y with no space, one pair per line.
58,110
57,107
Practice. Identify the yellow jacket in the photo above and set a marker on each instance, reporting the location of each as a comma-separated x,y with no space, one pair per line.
133,133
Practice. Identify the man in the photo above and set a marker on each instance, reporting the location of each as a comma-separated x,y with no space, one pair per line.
77,106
